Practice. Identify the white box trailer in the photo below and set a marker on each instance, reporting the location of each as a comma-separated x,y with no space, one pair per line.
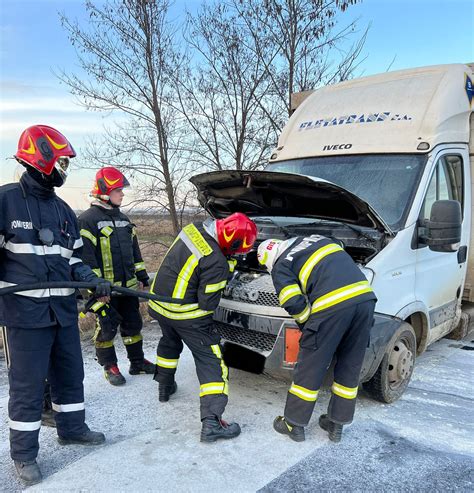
382,164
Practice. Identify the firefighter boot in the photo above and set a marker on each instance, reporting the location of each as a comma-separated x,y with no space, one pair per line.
28,471
88,438
141,367
282,426
113,375
334,429
214,428
164,391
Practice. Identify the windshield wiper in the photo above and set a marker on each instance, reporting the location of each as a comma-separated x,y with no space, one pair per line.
347,225
279,226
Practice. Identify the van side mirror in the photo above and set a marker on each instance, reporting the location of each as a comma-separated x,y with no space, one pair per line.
442,232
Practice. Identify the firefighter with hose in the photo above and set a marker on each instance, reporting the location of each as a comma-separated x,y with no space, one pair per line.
40,242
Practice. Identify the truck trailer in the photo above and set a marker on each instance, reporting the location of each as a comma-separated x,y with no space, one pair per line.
381,164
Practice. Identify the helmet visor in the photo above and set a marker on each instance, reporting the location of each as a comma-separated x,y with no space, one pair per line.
62,165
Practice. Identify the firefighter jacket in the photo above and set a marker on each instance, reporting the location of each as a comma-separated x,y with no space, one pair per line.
194,272
315,276
111,246
25,259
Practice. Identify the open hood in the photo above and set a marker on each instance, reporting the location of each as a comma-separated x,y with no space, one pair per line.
268,193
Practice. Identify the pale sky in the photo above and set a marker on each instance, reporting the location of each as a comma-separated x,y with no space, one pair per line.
409,33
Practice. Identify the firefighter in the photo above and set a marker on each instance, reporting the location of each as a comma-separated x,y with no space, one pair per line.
332,302
40,242
111,249
194,272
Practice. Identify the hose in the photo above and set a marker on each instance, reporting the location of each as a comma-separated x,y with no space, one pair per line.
17,288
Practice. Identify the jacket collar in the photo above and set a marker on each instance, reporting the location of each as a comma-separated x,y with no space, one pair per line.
32,187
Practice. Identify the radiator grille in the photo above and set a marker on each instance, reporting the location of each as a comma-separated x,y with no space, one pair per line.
250,338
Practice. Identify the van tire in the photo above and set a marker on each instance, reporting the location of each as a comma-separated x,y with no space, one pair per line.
395,370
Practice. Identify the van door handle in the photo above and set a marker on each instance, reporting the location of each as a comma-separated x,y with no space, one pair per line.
462,254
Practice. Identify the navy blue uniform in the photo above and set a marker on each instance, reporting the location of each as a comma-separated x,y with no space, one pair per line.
41,324
322,288
111,250
195,271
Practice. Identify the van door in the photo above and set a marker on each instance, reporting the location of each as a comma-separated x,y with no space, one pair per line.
440,275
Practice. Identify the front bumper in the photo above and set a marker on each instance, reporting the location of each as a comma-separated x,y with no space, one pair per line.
266,335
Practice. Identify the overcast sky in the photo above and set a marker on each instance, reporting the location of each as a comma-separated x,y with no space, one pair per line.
403,34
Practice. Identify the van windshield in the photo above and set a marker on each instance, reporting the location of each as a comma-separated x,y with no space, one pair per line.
387,182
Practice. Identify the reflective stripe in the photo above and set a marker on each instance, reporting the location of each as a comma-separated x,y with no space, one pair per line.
78,244
304,393
213,388
2,241
74,260
22,248
89,236
103,344
345,392
139,266
97,272
232,263
340,295
132,283
174,307
216,349
129,340
24,425
312,261
303,316
167,363
289,292
107,231
194,240
178,316
40,293
111,224
97,306
68,408
184,276
212,288
107,258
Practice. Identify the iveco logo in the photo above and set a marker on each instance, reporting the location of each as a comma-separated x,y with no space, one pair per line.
336,147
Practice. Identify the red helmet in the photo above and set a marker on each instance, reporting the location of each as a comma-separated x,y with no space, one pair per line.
236,234
106,180
45,149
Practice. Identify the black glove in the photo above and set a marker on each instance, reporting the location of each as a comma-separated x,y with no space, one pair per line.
102,288
143,278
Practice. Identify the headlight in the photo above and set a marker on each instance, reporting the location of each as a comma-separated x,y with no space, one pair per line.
368,273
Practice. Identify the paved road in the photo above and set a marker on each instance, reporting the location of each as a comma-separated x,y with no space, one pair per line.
423,442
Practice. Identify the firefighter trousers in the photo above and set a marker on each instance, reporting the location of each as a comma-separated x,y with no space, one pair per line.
344,335
203,341
36,354
124,311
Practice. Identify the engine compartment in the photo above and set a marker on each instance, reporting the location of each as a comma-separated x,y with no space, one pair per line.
252,283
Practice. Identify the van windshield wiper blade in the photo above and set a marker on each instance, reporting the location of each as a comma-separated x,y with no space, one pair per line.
283,229
322,221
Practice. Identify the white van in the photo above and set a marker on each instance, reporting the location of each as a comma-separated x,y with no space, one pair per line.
380,163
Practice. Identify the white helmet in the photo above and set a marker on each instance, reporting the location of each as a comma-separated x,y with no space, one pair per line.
270,250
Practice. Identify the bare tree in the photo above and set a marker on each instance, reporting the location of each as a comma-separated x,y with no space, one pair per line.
129,58
310,44
218,93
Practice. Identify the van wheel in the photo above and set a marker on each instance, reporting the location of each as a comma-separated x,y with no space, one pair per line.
395,370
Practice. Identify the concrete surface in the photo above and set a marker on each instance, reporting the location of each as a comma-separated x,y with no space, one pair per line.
423,442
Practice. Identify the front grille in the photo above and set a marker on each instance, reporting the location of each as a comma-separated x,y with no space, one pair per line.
255,289
250,338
